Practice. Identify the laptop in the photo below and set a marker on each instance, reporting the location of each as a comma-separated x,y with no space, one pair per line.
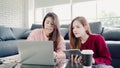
36,52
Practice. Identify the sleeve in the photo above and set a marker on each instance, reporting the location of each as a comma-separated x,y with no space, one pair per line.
102,51
61,48
32,35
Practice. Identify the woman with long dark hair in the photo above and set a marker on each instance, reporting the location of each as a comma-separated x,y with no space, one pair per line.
50,32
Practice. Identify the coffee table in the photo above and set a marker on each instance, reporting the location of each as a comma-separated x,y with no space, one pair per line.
66,64
11,62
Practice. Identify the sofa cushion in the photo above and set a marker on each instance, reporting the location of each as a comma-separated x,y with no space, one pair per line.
18,32
96,27
114,48
64,31
34,26
25,34
67,36
6,34
111,34
64,26
116,63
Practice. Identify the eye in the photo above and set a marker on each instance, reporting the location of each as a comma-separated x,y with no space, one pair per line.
52,24
47,22
77,26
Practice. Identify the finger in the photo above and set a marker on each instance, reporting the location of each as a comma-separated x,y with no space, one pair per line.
76,57
71,57
79,60
55,55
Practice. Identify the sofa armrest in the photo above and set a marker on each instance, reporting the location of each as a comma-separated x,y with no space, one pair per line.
114,48
8,48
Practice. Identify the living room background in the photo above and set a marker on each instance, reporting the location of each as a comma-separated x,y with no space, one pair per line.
24,13
93,10
12,13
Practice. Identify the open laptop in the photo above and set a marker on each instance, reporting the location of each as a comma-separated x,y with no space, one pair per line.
36,52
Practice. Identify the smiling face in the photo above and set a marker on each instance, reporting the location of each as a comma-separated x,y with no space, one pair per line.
48,25
78,29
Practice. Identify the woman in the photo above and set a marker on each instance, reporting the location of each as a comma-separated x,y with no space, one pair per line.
50,32
82,38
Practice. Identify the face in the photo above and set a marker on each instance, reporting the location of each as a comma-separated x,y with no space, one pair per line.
48,26
78,29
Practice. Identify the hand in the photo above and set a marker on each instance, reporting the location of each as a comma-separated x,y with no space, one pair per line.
75,58
55,55
93,61
59,55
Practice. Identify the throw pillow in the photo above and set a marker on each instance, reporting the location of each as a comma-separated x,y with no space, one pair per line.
26,34
96,27
6,34
34,26
111,33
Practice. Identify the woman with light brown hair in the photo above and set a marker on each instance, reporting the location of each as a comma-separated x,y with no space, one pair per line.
82,38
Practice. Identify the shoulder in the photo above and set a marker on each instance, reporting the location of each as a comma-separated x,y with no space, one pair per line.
37,30
61,37
97,37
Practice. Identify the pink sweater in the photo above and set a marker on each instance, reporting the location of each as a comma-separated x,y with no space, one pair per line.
39,35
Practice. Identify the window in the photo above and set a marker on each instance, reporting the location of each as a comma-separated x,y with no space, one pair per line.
86,9
38,15
63,11
60,10
94,10
108,13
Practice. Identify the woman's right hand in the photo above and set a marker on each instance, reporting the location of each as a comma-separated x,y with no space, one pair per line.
75,58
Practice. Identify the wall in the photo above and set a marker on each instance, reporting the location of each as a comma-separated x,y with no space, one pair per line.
12,13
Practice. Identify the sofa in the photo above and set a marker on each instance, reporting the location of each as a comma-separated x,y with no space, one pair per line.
8,34
111,36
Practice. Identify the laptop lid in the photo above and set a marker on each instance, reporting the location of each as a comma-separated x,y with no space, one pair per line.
36,52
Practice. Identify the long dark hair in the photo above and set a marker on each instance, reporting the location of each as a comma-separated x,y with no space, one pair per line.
55,35
76,42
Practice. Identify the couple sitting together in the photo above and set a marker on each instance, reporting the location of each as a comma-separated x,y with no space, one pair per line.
80,38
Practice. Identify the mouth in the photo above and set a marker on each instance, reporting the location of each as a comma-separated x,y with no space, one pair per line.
49,30
75,33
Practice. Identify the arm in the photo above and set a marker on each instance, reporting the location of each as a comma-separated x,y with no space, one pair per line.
61,47
102,51
31,36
